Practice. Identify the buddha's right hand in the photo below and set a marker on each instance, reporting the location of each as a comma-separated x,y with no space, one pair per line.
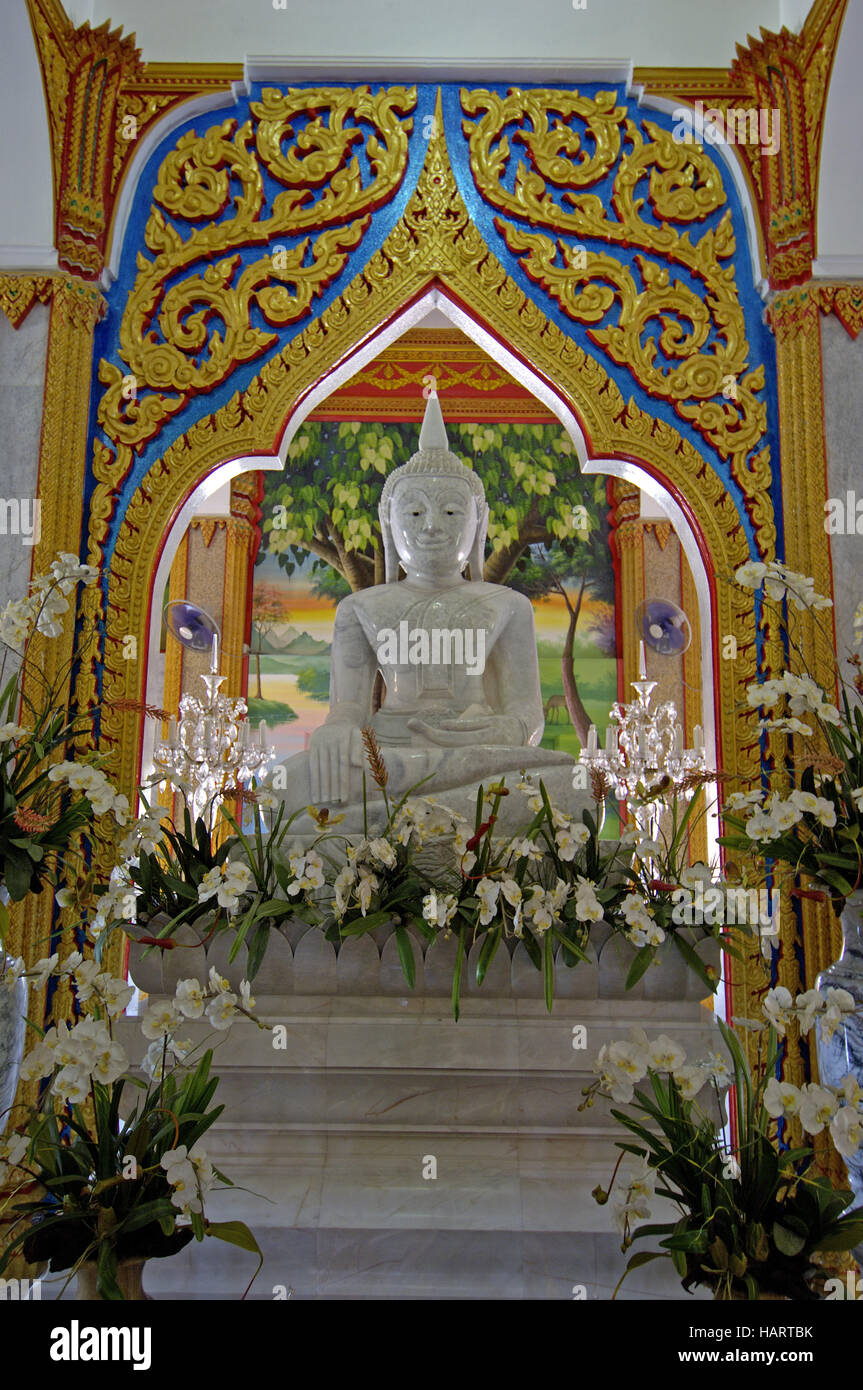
332,749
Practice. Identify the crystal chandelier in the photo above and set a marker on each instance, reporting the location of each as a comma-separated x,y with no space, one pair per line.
210,748
645,752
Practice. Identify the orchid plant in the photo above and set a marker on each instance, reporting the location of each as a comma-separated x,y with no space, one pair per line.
430,869
815,827
545,885
117,1178
44,805
663,881
241,883
750,1218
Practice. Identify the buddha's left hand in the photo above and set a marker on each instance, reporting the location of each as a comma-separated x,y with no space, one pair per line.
497,730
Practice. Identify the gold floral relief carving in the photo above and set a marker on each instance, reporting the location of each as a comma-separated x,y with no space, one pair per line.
703,345
185,328
79,304
18,294
393,376
845,301
134,112
208,526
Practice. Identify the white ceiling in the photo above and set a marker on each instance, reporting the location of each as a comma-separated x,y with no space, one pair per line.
654,32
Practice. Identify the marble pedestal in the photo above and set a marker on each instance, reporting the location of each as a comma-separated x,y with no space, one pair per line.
336,1130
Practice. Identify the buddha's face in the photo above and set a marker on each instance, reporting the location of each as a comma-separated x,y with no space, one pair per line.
433,523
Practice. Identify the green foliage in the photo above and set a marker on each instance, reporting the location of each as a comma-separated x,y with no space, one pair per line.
403,886
833,856
829,854
744,1229
326,503
170,876
269,902
657,881
89,1207
28,858
315,682
327,582
274,711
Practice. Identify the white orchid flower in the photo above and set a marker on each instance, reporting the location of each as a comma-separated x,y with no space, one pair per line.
488,892
159,1019
781,1098
846,1131
189,998
221,1010
817,1108
664,1054
777,1007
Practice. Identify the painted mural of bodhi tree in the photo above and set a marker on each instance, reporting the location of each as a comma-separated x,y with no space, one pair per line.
548,528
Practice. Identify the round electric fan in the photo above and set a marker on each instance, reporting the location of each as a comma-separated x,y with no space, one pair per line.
192,626
664,626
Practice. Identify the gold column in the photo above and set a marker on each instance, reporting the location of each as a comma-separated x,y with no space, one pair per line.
241,545
627,536
76,308
794,317
692,704
173,682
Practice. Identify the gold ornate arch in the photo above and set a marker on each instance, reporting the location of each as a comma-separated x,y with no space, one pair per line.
435,243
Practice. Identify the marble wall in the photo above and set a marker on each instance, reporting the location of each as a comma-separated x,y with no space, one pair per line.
22,380
843,420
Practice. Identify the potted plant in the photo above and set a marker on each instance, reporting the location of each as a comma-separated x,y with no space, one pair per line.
213,894
545,886
160,896
813,828
119,1178
45,804
430,869
549,885
749,1219
672,901
285,880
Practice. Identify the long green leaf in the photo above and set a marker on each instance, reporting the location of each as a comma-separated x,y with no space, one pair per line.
456,976
237,1233
642,960
488,950
406,955
548,969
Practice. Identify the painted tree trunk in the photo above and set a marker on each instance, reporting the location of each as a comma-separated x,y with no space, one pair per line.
577,713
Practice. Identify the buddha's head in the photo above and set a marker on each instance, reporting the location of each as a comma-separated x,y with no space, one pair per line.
433,512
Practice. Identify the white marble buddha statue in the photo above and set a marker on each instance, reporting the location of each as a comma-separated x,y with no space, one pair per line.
458,660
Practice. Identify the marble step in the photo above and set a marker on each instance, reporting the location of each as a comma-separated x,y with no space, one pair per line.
376,1263
492,1034
482,1182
